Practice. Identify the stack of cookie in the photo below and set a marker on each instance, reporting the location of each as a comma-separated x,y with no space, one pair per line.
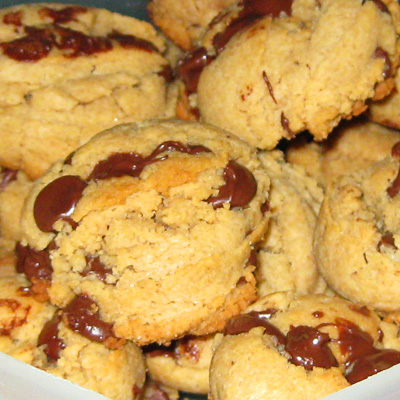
193,207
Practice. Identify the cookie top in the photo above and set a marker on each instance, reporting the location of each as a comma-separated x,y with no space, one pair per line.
295,348
277,76
118,374
184,22
285,255
351,146
356,239
21,318
68,72
155,220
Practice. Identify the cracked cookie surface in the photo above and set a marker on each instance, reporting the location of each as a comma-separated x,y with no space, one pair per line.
69,72
156,224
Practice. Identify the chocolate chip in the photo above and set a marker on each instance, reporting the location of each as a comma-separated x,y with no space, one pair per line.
57,201
48,338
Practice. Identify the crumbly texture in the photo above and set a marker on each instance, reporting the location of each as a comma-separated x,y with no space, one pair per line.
251,365
184,22
303,72
53,104
178,265
118,374
357,236
187,368
285,256
352,145
21,318
12,197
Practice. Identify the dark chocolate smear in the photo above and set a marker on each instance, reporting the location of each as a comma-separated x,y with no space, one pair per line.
167,73
13,18
244,322
82,316
387,239
132,164
239,188
96,267
308,347
63,15
380,4
269,86
133,42
371,364
49,339
35,264
57,201
191,67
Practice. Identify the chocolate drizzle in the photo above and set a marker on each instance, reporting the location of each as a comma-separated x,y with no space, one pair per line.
239,188
48,338
82,316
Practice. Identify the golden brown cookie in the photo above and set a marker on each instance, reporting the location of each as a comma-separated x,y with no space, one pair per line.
351,146
297,348
68,72
267,72
154,222
357,234
285,255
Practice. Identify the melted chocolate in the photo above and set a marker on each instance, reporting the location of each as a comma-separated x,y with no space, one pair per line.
191,67
253,258
6,327
96,267
265,207
57,201
318,314
363,310
167,73
13,18
285,125
82,317
239,188
387,240
7,176
35,264
133,42
63,15
132,164
244,322
49,339
396,150
308,347
371,364
394,188
380,4
252,11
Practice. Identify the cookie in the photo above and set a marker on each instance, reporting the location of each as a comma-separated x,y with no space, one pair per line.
14,188
21,318
285,255
162,217
184,22
267,72
357,235
352,145
118,373
185,364
69,72
297,348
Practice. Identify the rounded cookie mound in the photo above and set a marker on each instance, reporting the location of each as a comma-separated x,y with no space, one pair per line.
285,255
357,234
267,71
352,145
118,373
297,348
155,222
69,72
184,22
